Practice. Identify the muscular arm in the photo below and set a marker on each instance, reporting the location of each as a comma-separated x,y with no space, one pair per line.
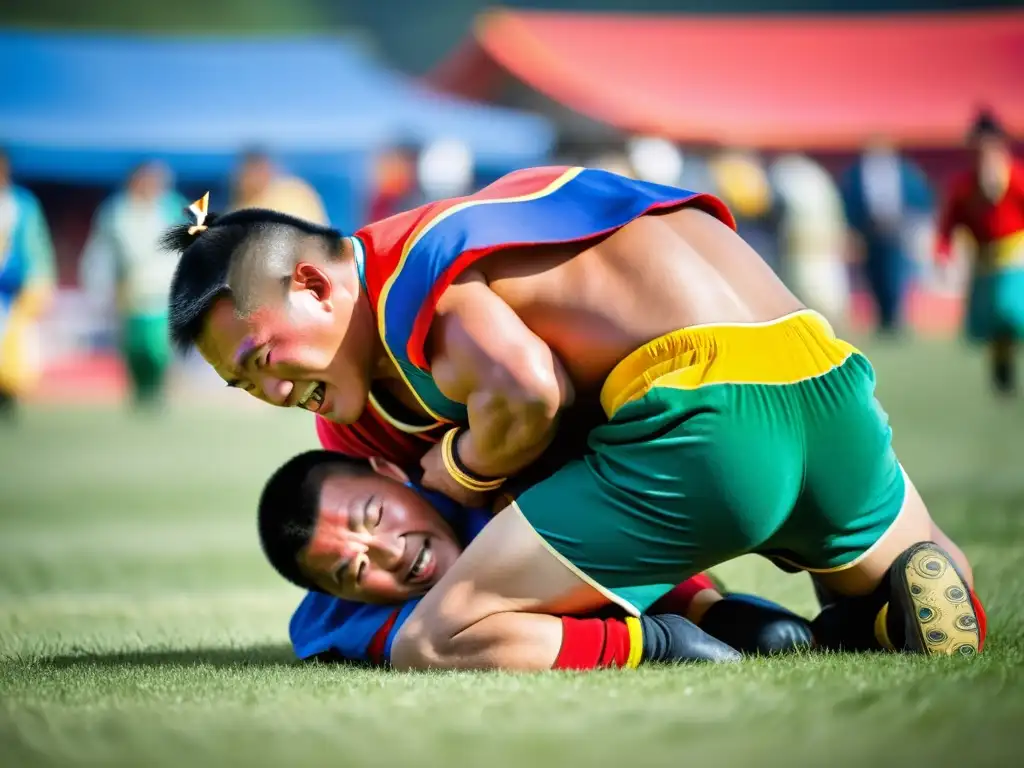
513,385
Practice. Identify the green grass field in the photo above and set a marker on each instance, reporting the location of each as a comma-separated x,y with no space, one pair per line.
139,625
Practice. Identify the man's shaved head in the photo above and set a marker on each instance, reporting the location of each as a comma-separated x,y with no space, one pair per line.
244,254
276,306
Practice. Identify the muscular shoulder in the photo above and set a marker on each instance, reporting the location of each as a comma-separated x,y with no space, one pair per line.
458,310
388,234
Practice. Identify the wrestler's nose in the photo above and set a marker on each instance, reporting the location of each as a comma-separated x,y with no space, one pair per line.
385,551
276,391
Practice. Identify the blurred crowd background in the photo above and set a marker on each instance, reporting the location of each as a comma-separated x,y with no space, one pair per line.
831,129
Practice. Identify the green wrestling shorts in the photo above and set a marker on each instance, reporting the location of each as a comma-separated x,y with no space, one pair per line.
725,440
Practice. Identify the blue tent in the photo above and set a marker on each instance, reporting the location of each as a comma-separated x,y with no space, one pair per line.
84,108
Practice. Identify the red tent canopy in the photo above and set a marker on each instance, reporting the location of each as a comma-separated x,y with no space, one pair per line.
825,82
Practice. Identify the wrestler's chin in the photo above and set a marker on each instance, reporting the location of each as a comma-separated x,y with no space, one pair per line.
339,409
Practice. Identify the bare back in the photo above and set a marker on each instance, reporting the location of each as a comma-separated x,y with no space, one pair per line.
594,303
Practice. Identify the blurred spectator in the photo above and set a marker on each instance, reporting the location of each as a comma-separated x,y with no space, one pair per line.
124,270
445,169
654,159
259,183
813,230
696,173
988,202
613,162
394,182
740,179
26,287
885,197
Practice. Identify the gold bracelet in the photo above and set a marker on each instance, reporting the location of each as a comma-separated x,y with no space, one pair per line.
460,475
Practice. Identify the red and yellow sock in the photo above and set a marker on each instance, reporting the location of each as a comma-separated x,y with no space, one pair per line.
596,643
618,642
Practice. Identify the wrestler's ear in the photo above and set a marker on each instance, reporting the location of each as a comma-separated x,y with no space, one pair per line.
310,277
388,469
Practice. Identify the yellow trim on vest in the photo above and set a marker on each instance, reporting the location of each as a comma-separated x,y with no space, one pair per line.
401,426
411,243
787,350
636,642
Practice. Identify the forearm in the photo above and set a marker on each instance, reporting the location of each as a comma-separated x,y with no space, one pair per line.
513,384
502,441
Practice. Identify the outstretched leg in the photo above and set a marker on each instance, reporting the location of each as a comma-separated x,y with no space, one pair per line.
907,593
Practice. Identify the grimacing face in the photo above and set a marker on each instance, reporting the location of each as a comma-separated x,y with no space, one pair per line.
377,540
311,349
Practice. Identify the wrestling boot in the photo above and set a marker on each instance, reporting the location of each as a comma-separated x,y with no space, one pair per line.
671,638
753,625
931,605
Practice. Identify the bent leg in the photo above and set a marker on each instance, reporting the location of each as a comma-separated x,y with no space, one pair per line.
909,588
488,612
492,609
748,623
954,551
147,356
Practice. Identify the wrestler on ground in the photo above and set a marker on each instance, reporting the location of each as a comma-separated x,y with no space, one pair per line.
368,543
736,421
988,201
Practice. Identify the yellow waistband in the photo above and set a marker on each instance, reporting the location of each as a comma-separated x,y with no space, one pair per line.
786,350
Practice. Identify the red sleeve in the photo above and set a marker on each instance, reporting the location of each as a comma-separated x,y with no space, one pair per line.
371,437
341,438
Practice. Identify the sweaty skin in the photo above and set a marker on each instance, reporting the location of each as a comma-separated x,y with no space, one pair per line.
575,313
594,306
